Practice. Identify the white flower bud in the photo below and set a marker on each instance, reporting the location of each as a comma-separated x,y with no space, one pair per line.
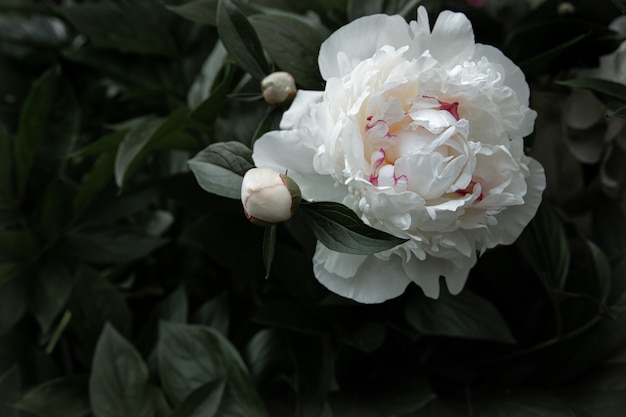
269,197
278,88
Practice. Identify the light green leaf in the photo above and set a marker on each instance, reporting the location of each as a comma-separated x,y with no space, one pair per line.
293,45
465,315
118,385
61,397
341,230
203,401
192,356
219,168
240,39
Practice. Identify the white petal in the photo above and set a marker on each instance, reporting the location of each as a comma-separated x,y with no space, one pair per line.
300,106
375,280
514,219
452,38
359,40
284,151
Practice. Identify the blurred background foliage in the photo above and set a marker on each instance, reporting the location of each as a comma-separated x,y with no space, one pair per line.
127,290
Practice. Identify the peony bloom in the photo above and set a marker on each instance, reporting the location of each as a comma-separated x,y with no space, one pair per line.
268,197
420,133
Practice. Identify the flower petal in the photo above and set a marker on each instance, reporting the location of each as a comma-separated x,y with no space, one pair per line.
360,40
300,106
374,281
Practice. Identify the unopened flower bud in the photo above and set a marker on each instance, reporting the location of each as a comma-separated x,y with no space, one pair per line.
269,197
278,88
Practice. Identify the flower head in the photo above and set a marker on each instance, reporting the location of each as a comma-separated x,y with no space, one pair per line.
268,197
420,133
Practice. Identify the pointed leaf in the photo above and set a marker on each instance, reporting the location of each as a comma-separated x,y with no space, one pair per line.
52,287
465,315
199,11
118,385
240,39
220,167
203,401
61,397
341,230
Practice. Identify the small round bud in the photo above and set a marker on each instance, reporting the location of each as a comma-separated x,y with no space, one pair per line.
268,196
278,88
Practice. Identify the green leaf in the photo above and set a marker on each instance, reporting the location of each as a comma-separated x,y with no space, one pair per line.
612,94
192,356
601,271
313,378
118,385
215,312
341,230
94,302
266,351
146,137
93,183
129,26
359,8
544,246
220,167
110,244
106,144
210,109
621,5
47,130
56,210
7,187
12,304
18,245
465,315
367,337
203,401
173,308
9,271
10,384
240,39
269,248
61,397
52,287
199,11
293,45
525,404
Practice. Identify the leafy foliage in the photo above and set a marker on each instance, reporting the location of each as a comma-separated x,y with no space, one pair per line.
131,283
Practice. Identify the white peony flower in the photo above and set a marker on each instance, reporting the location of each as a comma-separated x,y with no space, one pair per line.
268,197
420,133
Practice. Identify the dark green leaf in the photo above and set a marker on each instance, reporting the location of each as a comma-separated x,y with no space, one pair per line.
215,313
240,39
266,353
203,401
359,8
12,304
93,183
47,130
110,244
212,106
465,315
525,404
94,302
52,286
145,137
173,308
61,397
19,245
219,168
269,248
612,94
368,336
10,384
601,270
9,271
191,356
284,313
128,26
293,45
56,210
313,378
7,187
341,230
620,4
118,385
199,11
106,144
544,246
